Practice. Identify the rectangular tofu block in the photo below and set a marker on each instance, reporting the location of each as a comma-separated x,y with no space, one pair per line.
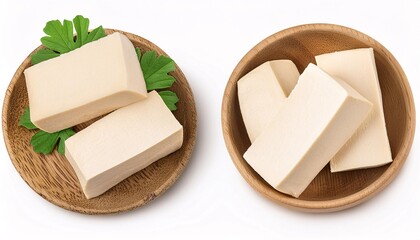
85,83
369,146
261,92
316,120
122,143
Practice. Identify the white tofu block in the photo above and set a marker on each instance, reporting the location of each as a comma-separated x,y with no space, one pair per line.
316,120
85,83
369,146
122,143
261,92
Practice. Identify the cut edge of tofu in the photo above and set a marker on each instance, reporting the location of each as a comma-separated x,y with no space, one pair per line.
108,104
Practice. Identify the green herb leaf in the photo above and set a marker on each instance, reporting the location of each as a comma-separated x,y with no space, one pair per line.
96,34
165,81
81,24
138,52
155,70
25,120
44,142
63,135
60,38
43,55
170,98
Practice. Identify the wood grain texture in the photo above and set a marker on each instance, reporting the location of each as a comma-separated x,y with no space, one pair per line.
52,177
328,192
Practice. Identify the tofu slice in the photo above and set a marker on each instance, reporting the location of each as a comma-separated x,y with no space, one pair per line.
85,83
369,147
261,92
316,120
122,143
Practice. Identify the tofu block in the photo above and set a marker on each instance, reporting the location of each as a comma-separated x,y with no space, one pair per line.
123,143
85,83
369,146
316,120
261,92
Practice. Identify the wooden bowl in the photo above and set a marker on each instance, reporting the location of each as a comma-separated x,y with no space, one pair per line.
328,192
52,177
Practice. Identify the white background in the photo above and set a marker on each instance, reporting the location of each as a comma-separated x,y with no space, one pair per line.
207,39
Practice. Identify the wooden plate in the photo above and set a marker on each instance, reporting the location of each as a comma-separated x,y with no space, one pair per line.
52,177
327,192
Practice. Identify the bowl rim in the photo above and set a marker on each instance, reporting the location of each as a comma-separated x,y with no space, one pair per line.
322,205
138,203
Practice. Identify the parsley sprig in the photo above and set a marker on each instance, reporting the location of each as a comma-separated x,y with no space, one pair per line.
60,37
44,142
156,71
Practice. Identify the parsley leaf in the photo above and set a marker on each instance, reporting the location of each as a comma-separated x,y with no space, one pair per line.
63,135
81,24
60,37
44,142
138,52
43,55
25,120
95,34
155,70
170,98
